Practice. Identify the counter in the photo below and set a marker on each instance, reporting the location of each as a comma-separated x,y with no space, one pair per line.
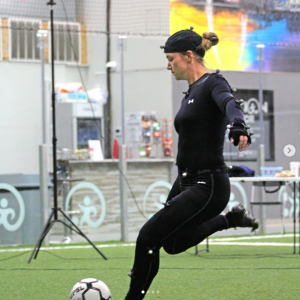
95,202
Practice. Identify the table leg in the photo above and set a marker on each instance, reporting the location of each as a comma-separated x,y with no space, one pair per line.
294,217
299,214
65,194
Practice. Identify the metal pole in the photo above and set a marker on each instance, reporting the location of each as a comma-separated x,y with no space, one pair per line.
261,208
107,106
122,153
44,195
294,188
121,38
261,147
123,193
41,35
260,94
54,139
43,91
299,211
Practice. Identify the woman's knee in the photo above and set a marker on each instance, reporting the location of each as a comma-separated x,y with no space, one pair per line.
169,248
148,240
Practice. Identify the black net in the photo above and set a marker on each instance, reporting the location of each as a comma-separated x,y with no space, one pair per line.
130,17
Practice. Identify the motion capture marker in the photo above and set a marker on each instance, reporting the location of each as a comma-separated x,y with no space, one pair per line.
229,126
241,101
150,252
218,71
130,274
192,27
185,92
233,90
248,127
143,292
184,174
251,133
162,47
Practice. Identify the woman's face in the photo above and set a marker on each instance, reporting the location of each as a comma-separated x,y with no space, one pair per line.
177,64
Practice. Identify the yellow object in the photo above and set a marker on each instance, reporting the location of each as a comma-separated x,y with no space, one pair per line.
285,173
83,44
5,40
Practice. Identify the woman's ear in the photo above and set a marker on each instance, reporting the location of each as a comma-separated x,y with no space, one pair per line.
190,55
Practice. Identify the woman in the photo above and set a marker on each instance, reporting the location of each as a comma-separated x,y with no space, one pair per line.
202,189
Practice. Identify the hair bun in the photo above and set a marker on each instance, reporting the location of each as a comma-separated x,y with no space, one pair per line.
209,39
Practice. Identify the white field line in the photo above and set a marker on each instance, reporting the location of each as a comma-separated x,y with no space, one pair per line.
215,241
253,237
253,244
67,247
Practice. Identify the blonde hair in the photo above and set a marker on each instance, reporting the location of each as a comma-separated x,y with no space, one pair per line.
209,39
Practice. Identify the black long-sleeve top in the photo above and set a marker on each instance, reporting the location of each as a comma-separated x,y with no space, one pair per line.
201,122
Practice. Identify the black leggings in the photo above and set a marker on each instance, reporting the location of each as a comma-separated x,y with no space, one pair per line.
191,214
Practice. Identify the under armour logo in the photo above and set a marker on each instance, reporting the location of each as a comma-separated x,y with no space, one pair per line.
191,101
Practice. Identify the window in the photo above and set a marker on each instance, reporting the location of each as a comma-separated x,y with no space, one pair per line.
64,49
24,44
23,40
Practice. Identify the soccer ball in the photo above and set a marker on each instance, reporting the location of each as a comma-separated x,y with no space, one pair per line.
90,289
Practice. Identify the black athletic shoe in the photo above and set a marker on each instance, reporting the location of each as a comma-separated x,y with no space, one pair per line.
239,217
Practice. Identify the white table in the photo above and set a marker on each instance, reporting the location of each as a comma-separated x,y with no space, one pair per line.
279,180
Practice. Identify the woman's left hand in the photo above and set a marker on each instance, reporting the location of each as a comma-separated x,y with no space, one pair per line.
238,134
243,143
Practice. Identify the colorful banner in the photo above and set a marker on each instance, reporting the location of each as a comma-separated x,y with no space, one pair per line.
241,25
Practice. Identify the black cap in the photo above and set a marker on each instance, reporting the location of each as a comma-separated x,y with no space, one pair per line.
183,41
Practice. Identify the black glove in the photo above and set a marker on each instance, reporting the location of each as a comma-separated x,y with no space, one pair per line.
238,128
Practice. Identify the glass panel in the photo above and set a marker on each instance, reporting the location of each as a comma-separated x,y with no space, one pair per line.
69,49
36,49
63,46
14,41
56,42
35,26
30,41
14,25
75,39
61,43
88,129
22,40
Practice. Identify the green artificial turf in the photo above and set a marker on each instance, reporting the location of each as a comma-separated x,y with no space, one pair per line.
229,272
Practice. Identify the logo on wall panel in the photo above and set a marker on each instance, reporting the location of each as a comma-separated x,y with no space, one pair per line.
7,214
88,211
155,196
288,200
